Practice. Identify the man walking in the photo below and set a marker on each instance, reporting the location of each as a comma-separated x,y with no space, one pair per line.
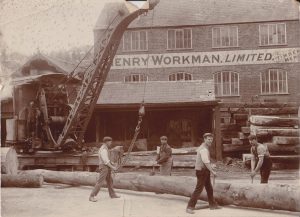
105,167
164,157
203,169
260,159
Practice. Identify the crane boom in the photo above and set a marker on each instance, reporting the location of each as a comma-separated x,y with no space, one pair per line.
95,76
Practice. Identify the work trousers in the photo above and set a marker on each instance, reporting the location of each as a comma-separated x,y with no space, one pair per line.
203,180
265,170
166,167
104,175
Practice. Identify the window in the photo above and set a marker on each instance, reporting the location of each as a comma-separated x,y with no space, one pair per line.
225,36
136,78
272,34
179,38
274,81
180,76
226,83
135,41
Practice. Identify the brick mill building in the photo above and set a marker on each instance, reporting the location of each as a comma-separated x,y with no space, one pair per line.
249,51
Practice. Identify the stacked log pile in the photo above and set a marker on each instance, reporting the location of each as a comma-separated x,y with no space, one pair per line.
281,135
235,124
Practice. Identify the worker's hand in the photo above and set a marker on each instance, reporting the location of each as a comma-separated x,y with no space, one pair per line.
253,173
214,166
114,168
214,173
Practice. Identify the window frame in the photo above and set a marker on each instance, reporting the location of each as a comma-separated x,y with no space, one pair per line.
224,46
131,32
131,78
274,93
175,39
177,73
230,84
268,36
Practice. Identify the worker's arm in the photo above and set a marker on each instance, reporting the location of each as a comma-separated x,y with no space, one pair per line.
104,156
261,153
210,168
165,156
252,161
259,164
206,160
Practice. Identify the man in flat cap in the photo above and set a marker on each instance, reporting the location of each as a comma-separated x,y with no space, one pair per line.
203,169
105,167
260,159
164,157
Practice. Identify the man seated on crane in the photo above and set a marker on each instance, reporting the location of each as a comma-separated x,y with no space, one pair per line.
105,168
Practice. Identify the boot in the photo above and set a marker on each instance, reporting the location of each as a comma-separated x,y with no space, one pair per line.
93,199
190,210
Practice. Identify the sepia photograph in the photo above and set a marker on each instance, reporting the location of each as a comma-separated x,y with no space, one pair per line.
150,108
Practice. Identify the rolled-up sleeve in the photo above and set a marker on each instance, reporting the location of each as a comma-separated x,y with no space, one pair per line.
104,156
204,156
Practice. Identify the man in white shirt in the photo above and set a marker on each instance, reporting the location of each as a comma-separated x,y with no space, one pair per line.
203,169
105,167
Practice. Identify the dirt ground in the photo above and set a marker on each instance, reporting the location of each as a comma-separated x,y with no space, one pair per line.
61,200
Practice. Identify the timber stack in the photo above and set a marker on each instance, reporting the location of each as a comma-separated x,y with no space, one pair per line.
235,125
280,134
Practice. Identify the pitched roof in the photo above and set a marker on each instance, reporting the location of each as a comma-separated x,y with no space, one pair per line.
207,12
42,60
156,92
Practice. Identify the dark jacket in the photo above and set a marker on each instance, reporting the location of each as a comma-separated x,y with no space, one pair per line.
164,154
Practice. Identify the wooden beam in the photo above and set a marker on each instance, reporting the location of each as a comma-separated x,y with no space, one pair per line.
273,121
217,132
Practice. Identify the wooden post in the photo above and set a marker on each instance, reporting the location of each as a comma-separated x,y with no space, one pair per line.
217,132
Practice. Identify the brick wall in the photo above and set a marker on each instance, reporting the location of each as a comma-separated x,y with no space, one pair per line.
249,75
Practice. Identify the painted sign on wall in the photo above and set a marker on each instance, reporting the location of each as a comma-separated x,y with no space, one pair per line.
218,58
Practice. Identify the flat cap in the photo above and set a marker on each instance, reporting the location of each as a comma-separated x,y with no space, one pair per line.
252,137
163,138
208,135
107,138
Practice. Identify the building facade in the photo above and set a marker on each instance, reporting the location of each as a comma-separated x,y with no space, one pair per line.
251,50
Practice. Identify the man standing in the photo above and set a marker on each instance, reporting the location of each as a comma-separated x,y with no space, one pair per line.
203,169
105,167
260,159
164,157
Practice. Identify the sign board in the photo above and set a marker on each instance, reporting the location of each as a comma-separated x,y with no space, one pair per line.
216,58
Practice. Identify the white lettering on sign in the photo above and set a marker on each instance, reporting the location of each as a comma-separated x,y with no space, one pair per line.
192,59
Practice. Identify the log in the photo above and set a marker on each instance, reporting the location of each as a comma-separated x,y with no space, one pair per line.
240,116
236,148
236,141
273,121
260,131
267,196
22,181
9,161
189,150
282,148
283,140
273,111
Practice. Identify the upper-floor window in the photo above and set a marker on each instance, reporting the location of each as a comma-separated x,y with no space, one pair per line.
224,36
274,81
272,34
179,38
136,78
180,76
226,83
135,41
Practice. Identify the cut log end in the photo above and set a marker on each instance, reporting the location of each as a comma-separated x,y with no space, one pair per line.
9,161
